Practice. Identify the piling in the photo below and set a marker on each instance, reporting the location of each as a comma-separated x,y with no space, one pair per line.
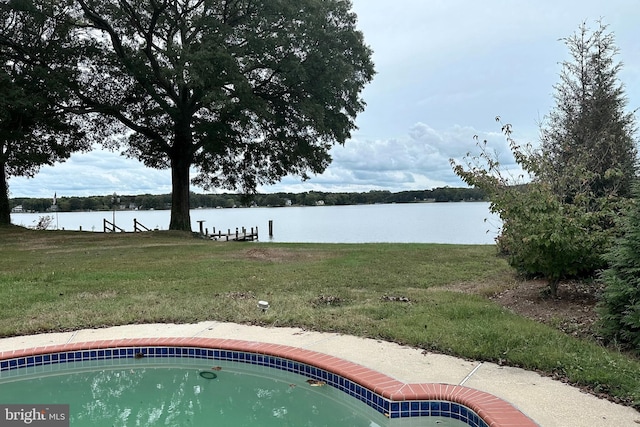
270,228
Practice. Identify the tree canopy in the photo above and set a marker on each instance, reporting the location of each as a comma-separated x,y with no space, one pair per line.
240,92
35,128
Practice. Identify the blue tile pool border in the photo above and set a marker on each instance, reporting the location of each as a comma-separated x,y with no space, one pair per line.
390,408
393,398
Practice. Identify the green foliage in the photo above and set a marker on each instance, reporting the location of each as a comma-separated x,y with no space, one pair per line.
241,93
559,217
35,127
542,234
620,304
588,138
228,200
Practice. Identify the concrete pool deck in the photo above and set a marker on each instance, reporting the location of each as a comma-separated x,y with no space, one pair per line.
547,402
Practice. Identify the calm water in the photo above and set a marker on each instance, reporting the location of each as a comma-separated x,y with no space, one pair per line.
175,394
456,223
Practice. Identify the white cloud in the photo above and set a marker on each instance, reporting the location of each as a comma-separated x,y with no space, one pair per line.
98,172
416,161
445,69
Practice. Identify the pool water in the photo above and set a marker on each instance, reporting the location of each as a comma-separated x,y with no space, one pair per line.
179,392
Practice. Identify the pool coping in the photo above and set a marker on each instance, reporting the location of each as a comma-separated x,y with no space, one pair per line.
494,411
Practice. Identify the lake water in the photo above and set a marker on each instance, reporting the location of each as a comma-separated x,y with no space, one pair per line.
455,223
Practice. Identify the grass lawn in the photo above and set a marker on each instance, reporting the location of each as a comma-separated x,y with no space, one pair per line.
428,296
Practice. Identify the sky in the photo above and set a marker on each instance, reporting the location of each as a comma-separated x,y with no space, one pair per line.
445,70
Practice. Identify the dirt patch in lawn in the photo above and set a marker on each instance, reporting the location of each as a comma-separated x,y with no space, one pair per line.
282,255
573,310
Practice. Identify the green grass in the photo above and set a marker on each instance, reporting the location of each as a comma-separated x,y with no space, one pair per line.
54,281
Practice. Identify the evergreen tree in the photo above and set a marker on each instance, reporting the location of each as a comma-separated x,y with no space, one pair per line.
588,139
620,305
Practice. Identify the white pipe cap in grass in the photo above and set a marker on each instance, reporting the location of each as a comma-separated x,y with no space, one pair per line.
264,305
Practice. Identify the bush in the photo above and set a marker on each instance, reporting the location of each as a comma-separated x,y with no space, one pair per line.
542,234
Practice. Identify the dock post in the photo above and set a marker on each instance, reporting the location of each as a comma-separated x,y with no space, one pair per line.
270,228
201,226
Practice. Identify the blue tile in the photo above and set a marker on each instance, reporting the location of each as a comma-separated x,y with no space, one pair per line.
464,411
392,409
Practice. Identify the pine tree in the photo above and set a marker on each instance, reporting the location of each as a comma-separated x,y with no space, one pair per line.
588,138
620,305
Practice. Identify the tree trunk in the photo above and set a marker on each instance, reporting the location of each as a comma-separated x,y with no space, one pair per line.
180,217
5,208
553,287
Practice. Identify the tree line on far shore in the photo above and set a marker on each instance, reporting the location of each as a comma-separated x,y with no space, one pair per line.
230,200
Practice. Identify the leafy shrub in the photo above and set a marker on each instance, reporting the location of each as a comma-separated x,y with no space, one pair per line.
542,233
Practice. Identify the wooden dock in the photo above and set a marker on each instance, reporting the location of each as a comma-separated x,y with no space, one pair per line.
240,235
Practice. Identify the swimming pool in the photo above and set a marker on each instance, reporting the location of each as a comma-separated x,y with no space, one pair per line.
391,399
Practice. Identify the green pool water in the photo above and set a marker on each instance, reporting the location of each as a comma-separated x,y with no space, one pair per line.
173,392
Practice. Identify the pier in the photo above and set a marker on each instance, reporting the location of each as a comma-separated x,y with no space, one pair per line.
240,235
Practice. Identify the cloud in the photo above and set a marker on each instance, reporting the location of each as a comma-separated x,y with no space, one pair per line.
445,69
417,160
99,172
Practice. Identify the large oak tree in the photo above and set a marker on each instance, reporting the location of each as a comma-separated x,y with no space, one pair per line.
243,92
35,126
